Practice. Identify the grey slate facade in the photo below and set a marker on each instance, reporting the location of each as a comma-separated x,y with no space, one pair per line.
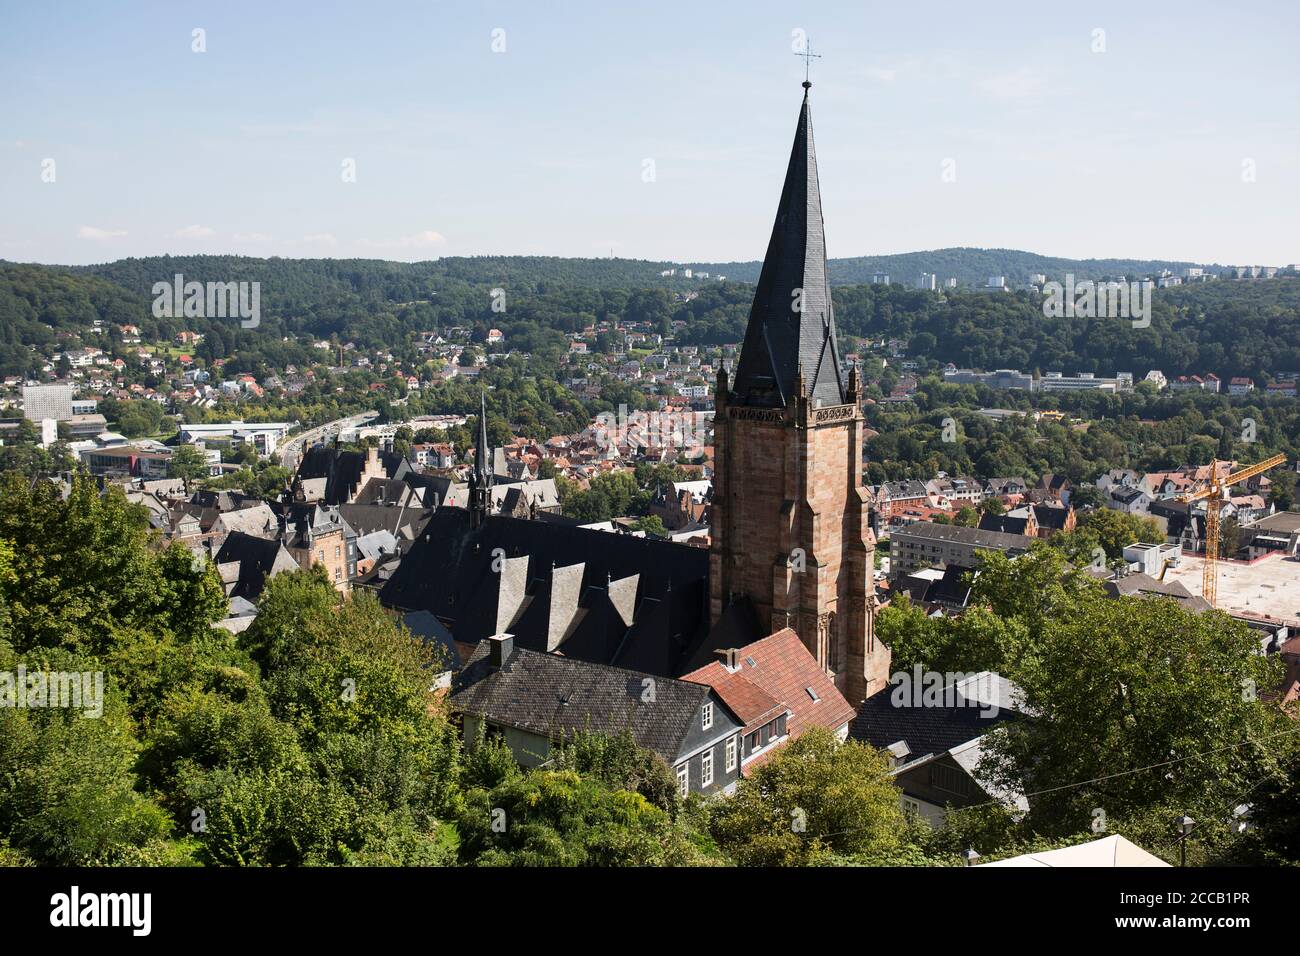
534,700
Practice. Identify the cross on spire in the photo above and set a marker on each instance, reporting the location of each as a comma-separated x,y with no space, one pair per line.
808,56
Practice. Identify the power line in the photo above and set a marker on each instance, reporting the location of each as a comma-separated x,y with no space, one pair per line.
1110,776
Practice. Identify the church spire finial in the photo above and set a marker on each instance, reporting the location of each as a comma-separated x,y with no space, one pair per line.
808,56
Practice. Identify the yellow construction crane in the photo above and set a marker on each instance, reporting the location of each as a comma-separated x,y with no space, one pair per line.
1213,495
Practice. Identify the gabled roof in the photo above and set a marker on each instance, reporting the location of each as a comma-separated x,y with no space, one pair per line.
301,522
1004,523
430,630
1143,585
1049,516
256,560
558,696
342,469
778,669
780,343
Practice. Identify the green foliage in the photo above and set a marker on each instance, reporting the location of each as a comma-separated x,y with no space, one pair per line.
1130,683
187,463
816,796
85,570
563,818
67,789
619,763
978,640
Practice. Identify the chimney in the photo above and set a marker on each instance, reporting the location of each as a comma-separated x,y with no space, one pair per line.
728,657
502,646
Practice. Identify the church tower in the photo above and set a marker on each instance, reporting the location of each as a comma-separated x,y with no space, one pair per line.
790,530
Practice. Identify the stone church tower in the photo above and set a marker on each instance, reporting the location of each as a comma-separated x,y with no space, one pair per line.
790,530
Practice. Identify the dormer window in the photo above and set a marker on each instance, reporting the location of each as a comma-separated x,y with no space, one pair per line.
708,715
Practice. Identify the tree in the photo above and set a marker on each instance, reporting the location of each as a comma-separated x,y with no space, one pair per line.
1116,530
1117,685
67,787
652,525
816,796
139,418
187,463
976,641
1087,496
85,572
565,818
1231,535
992,506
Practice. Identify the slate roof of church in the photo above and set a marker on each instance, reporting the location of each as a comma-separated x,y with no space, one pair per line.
780,341
449,571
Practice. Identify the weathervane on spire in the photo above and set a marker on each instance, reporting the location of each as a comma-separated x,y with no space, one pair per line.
808,56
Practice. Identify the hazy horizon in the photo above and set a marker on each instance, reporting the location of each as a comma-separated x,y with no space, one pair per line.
687,262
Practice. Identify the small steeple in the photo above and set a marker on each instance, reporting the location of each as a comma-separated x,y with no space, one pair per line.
480,480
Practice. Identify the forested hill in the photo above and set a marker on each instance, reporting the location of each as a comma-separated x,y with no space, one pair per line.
298,279
1227,327
968,265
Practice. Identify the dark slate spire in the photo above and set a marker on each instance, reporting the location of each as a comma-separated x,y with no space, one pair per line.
780,341
480,479
482,470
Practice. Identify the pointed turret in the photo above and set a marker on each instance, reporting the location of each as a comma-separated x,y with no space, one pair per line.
791,323
480,479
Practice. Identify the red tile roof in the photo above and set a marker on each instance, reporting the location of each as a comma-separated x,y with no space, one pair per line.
742,696
782,671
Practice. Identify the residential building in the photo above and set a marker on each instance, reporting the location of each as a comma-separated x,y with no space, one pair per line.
47,401
778,690
533,701
317,535
935,734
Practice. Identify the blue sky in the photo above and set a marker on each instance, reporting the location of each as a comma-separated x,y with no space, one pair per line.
541,149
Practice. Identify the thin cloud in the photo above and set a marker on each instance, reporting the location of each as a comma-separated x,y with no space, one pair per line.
420,240
96,234
195,232
1018,85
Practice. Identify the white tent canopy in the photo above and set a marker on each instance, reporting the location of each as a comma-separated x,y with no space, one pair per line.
1108,851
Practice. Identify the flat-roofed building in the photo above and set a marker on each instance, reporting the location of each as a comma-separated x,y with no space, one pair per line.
924,544
126,460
